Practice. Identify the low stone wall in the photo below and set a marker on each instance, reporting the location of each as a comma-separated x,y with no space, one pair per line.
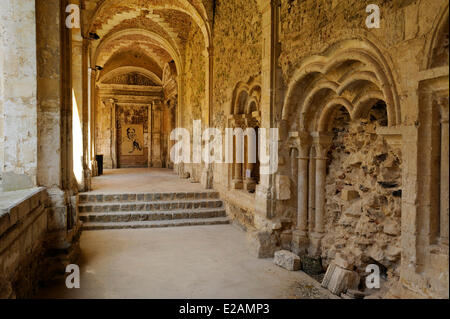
23,226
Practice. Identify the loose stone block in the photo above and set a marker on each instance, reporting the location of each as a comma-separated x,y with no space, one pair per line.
287,260
344,261
339,280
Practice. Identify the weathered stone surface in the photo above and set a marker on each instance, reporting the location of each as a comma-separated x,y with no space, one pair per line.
262,244
287,260
283,187
339,280
344,261
349,195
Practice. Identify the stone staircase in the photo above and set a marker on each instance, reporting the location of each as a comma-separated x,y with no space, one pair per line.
150,210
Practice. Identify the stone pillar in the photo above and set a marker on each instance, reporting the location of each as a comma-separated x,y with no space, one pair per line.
249,179
156,132
112,109
302,218
237,178
206,179
172,121
444,196
300,235
85,116
271,81
322,142
92,162
321,171
18,95
312,191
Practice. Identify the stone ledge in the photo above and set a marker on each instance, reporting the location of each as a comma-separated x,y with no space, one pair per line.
16,206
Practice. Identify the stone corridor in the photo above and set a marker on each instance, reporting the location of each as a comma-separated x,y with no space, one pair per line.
180,263
234,136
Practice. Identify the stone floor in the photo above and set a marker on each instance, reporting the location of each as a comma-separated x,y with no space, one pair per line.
141,180
183,262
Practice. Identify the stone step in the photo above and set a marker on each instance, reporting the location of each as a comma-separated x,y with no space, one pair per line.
146,197
156,224
148,206
151,216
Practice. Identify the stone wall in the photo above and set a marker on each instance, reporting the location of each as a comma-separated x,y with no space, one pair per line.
237,51
23,226
18,94
373,212
370,187
194,104
237,40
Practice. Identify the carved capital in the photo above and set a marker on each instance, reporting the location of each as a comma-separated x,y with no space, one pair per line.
322,142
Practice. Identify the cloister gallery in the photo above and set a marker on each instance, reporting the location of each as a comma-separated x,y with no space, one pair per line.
91,92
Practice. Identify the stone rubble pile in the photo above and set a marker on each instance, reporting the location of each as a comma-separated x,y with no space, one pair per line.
363,204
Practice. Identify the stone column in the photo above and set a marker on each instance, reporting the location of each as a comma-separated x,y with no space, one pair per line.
271,82
251,154
300,235
444,196
92,105
321,167
171,143
112,109
321,142
156,160
206,179
87,177
312,191
302,215
150,132
237,179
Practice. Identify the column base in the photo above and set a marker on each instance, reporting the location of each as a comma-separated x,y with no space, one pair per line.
87,179
300,242
250,185
207,178
237,184
157,164
314,249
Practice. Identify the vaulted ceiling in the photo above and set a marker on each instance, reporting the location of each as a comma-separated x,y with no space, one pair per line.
143,33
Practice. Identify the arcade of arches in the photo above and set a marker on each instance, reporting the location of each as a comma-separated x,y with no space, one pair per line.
362,117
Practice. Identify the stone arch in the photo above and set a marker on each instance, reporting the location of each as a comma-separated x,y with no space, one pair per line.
166,45
439,33
129,69
345,84
184,6
250,90
245,113
371,68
